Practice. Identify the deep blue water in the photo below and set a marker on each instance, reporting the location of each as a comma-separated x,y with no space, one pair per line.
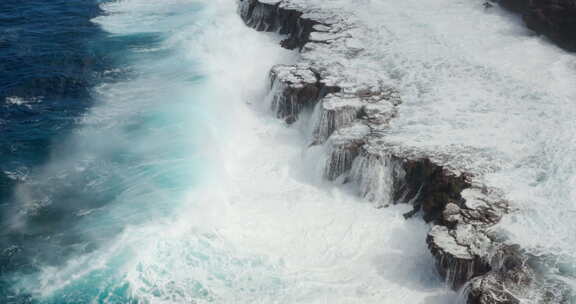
49,61
77,118
111,116
50,57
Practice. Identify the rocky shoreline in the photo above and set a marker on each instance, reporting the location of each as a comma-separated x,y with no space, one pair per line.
350,118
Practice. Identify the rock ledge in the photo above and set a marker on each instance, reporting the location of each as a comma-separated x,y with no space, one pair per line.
350,118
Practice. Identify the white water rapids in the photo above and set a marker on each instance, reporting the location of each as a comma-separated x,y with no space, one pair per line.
257,225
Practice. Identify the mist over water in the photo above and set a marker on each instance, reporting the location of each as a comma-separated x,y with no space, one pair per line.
173,184
128,163
177,186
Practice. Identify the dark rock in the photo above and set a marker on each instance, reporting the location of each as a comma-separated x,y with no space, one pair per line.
488,4
430,187
515,5
344,147
555,19
513,280
273,18
454,261
294,88
351,125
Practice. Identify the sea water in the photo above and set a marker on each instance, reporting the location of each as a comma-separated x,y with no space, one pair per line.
173,184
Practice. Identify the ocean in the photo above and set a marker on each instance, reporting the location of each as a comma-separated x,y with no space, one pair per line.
140,165
140,162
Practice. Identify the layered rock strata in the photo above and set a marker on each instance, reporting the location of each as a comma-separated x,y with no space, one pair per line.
351,111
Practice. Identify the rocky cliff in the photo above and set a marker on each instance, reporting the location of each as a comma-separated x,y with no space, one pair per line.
351,113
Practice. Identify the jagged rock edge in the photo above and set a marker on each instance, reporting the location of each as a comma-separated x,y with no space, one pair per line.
351,122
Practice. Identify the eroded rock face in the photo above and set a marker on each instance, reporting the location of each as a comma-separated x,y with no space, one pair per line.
502,284
514,279
351,113
432,187
294,88
460,240
344,146
374,106
556,19
376,175
270,16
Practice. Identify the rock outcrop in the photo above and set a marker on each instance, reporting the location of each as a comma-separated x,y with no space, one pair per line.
351,114
556,19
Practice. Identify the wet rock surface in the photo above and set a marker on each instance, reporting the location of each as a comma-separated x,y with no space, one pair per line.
297,86
351,114
556,19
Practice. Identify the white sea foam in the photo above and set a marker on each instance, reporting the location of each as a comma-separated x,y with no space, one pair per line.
478,79
477,85
19,101
257,226
260,227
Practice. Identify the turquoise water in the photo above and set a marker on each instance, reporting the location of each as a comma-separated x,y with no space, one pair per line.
124,205
173,184
127,162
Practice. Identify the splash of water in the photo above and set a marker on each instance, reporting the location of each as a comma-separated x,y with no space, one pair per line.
178,189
